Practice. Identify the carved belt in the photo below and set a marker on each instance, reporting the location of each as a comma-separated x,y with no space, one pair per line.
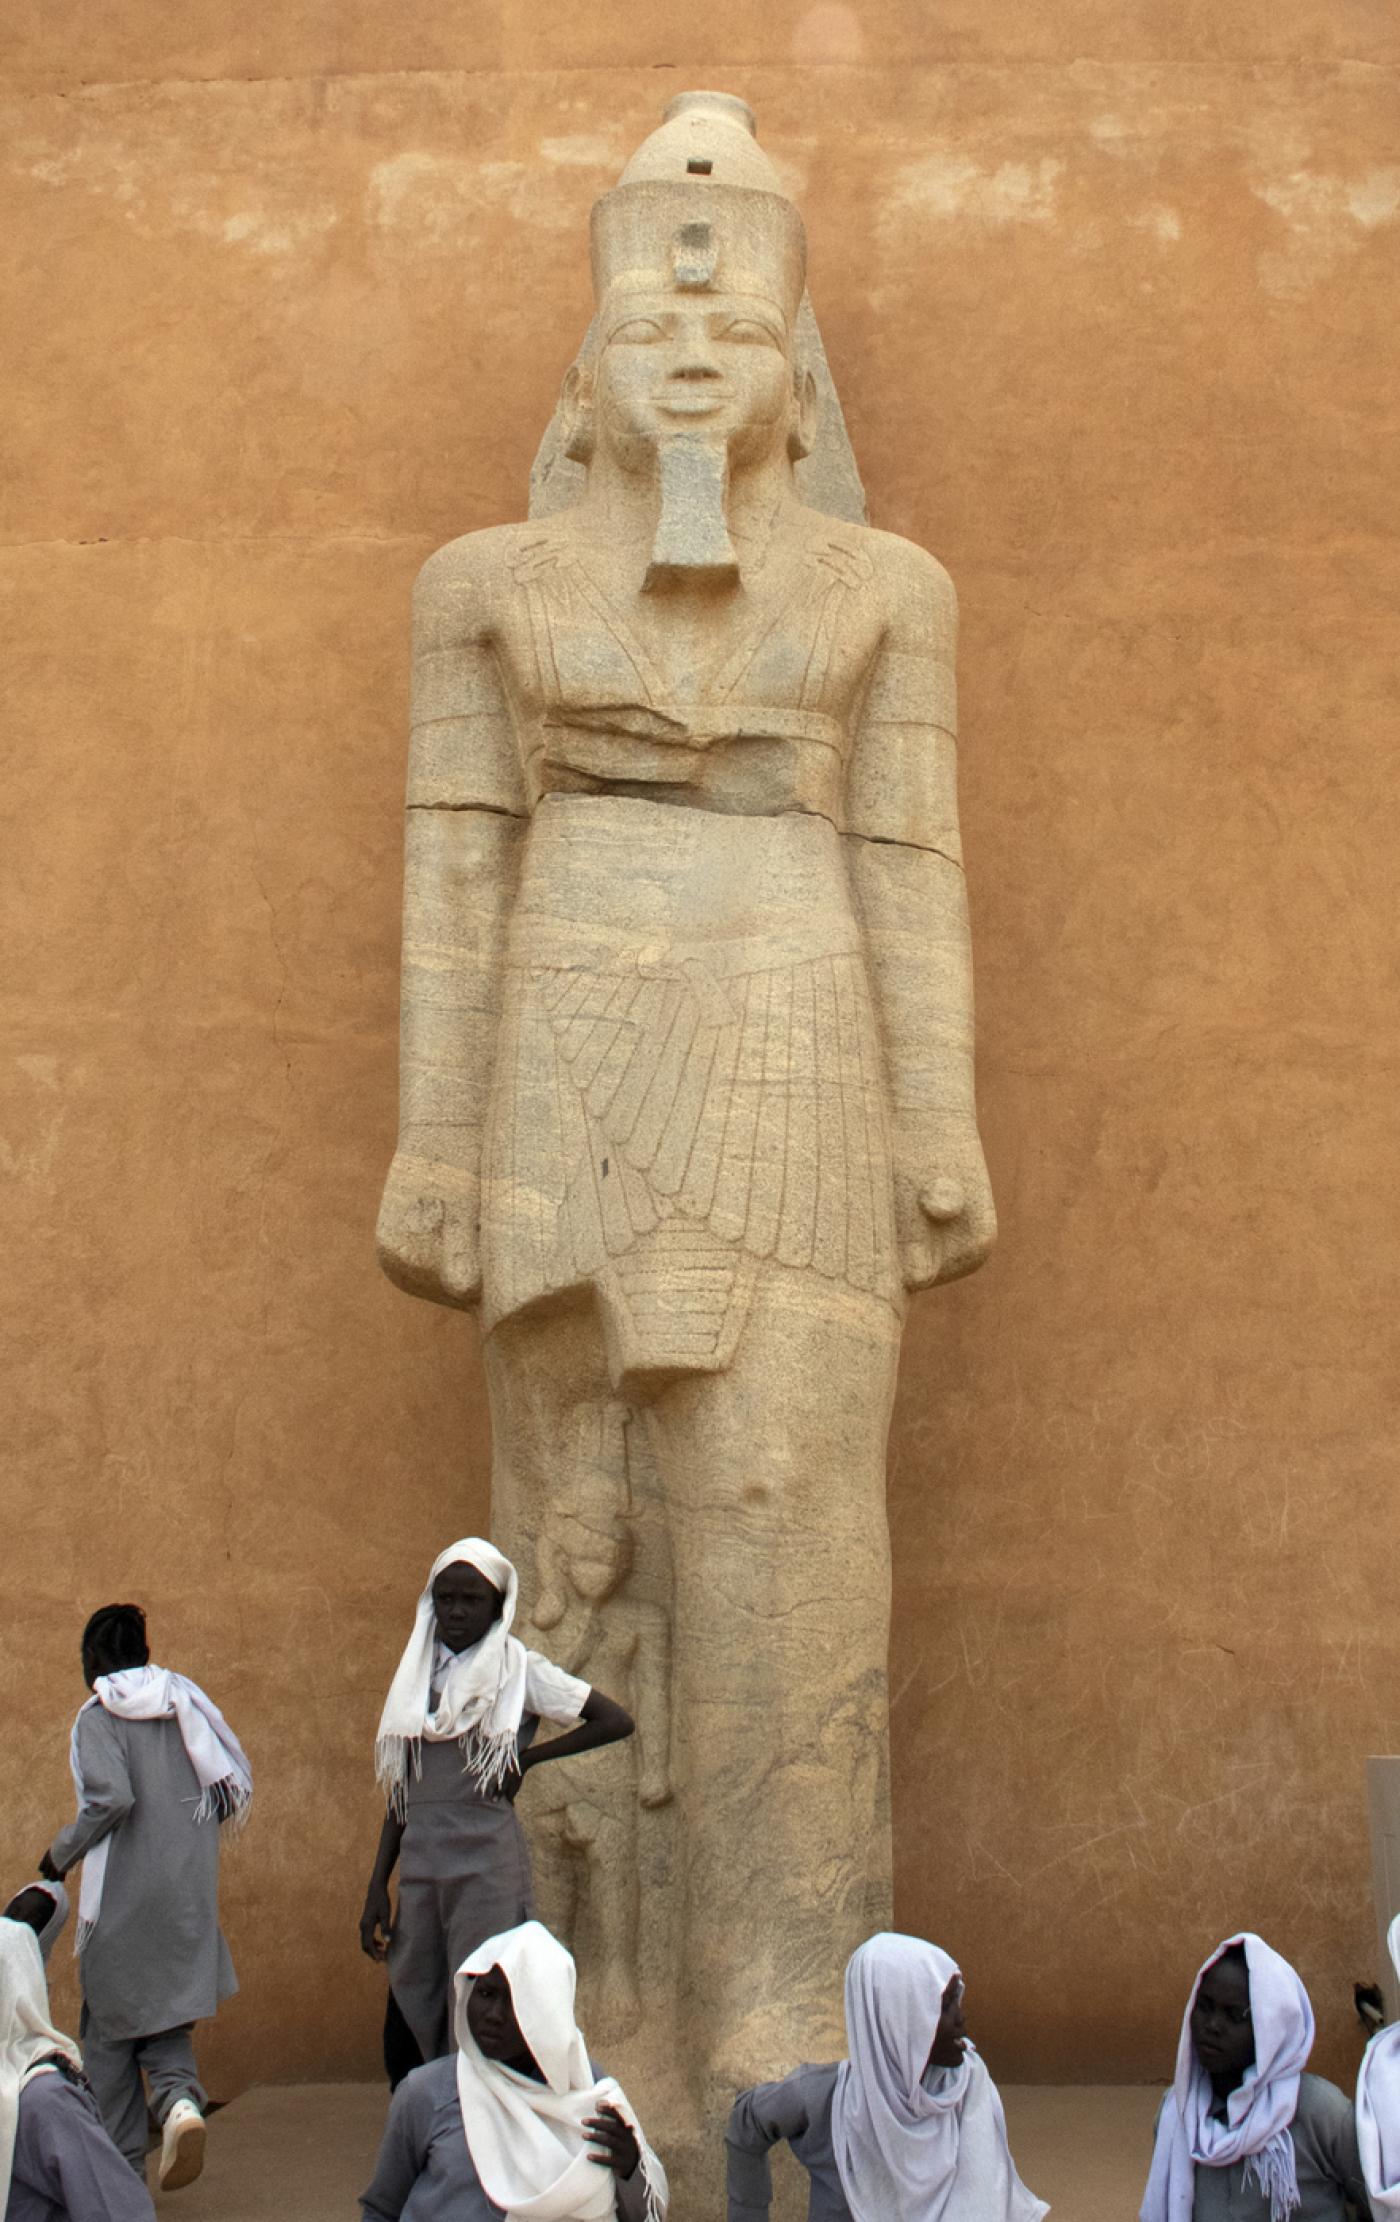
624,740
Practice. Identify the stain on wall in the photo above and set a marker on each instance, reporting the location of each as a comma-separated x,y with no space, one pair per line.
1107,292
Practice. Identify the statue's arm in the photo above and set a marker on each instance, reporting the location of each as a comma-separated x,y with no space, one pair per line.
466,819
905,861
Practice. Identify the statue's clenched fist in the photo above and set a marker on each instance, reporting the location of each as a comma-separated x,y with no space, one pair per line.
429,1238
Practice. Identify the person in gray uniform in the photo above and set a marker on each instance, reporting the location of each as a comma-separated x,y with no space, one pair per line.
57,2163
909,2125
519,2120
1245,2135
455,1741
157,1769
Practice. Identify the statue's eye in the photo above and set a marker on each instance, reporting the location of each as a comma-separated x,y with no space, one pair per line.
638,332
752,333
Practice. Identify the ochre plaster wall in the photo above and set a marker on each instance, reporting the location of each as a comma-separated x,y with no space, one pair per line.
1108,291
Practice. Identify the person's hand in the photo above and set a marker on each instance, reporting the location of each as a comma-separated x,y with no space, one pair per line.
508,1789
614,2143
429,1237
945,1220
377,1923
46,1867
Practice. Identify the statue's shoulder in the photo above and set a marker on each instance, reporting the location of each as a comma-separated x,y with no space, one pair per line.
920,598
912,581
909,569
476,561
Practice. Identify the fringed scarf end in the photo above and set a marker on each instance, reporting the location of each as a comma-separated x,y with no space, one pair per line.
1275,2170
490,1761
656,2188
391,1762
228,1801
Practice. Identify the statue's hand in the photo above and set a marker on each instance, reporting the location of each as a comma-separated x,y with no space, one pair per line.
429,1237
945,1219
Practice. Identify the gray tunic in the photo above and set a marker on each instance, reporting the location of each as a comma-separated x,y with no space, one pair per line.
464,1867
799,2110
66,2168
1330,2184
425,2171
156,1958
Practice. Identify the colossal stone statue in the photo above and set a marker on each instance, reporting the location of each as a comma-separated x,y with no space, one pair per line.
687,1089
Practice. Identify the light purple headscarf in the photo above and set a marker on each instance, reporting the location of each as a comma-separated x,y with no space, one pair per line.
1378,2108
1257,2115
914,2143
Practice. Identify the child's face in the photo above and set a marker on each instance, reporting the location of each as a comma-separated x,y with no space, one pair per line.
491,2020
465,1605
1222,2029
950,2037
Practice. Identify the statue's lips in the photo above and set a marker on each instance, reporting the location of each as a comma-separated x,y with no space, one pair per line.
691,404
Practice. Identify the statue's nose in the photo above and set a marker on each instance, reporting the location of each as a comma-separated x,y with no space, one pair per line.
696,366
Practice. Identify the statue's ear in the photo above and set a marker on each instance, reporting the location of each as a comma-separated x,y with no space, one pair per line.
577,405
806,407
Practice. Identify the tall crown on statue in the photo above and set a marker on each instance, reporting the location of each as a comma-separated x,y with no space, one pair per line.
699,208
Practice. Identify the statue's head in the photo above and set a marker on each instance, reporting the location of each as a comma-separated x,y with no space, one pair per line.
699,262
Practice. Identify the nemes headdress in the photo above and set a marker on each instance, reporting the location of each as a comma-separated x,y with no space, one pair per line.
700,207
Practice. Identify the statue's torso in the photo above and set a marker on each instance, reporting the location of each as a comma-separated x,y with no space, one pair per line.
746,710
690,1077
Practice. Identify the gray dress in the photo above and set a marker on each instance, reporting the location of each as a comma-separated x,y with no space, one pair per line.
425,2171
464,1867
157,1958
66,2168
798,2111
1330,2184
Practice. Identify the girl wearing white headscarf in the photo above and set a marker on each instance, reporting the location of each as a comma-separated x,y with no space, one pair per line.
1378,2107
520,2121
57,2163
157,1769
1245,2135
44,1907
455,1740
909,2128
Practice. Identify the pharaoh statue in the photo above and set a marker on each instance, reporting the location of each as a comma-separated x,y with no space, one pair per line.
687,1073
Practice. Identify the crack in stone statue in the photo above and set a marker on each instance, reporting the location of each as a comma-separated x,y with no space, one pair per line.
687,1078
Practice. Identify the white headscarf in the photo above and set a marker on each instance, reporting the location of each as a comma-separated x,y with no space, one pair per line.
1378,2107
526,2138
57,1920
152,1693
27,2036
915,2144
482,1700
1257,2115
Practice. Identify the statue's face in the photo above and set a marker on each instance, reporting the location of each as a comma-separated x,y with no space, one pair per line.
718,366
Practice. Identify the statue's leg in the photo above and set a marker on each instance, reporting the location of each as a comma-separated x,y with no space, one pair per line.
774,1477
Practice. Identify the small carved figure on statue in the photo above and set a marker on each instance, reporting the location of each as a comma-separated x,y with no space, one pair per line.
605,1603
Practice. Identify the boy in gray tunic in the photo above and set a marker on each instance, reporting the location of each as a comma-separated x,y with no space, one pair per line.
155,1961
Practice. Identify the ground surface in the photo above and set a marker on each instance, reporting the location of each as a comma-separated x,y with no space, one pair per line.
303,2153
